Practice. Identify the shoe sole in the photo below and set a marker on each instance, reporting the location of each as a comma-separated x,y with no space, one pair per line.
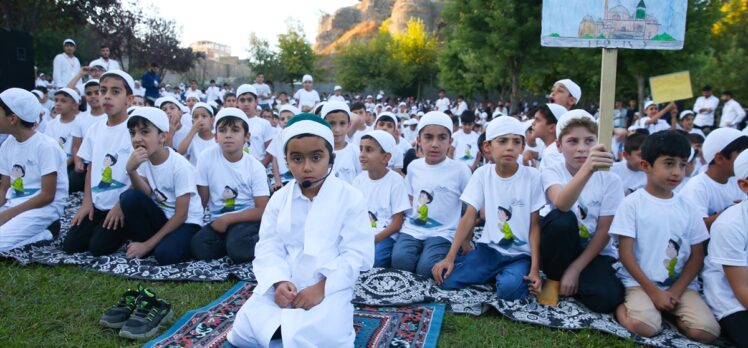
111,325
167,318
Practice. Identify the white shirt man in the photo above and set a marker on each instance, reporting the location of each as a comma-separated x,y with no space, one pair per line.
212,92
732,112
264,94
65,65
704,108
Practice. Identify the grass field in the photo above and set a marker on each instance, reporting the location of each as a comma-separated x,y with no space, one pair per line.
60,307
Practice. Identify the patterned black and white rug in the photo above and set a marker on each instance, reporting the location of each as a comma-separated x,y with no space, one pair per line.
378,287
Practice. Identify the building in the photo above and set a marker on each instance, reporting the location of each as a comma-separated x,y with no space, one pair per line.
213,50
619,23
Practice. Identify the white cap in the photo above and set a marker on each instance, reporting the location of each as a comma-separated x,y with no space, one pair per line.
307,124
572,87
497,113
648,104
38,93
420,114
527,125
369,97
154,115
91,82
685,113
504,126
189,95
576,114
335,106
22,103
68,41
717,140
205,106
97,63
337,88
410,122
290,108
128,79
307,78
557,110
386,114
71,93
437,118
232,112
167,99
246,88
402,104
386,140
741,165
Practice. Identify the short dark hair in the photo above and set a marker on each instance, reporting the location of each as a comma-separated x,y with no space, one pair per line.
102,46
634,142
230,121
727,92
229,94
696,138
544,110
666,143
141,122
41,89
737,145
154,65
260,73
481,140
357,106
212,81
707,88
467,117
455,120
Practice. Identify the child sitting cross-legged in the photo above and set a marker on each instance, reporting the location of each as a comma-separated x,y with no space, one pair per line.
661,247
508,251
234,187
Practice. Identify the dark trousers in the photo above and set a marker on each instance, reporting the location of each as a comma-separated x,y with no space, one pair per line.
599,289
144,218
91,236
76,181
734,327
238,242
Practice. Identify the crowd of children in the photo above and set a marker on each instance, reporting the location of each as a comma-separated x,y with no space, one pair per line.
209,179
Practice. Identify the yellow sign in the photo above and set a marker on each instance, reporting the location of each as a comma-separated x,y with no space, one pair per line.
671,87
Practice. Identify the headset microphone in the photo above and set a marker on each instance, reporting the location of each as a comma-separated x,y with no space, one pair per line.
308,183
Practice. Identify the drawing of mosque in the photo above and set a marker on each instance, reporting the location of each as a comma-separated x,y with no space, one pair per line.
619,23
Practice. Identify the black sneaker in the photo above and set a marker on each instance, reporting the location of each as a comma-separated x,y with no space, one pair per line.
149,314
116,316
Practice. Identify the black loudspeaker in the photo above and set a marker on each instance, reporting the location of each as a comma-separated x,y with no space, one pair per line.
16,60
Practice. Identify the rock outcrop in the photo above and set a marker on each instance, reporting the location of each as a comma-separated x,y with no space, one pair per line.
364,19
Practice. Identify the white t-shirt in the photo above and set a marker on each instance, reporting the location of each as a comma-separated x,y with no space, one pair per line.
404,146
733,113
663,230
276,150
409,135
601,196
263,89
436,202
709,197
306,98
707,118
728,247
660,125
509,203
182,132
62,133
212,93
233,186
442,104
347,165
466,146
27,162
197,146
551,157
171,179
339,98
384,198
107,149
630,179
396,160
260,132
83,121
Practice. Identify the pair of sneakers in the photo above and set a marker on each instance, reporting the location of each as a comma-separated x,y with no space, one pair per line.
139,314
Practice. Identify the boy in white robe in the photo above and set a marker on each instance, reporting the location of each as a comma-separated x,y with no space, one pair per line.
314,241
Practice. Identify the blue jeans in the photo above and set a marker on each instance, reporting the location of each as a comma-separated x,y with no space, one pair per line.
383,253
485,264
419,256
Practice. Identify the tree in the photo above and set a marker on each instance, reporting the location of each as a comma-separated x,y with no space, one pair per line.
414,53
296,55
264,59
488,43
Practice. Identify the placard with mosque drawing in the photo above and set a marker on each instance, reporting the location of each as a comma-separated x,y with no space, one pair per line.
635,24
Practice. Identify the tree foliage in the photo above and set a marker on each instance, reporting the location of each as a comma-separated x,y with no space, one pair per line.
262,58
296,56
402,63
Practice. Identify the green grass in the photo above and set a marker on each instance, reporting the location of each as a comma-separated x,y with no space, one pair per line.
60,307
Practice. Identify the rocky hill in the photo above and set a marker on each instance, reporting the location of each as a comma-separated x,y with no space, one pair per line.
363,19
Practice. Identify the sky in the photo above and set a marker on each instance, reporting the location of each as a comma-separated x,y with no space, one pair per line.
568,14
231,22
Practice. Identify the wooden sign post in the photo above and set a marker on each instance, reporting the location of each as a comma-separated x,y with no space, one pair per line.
607,95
